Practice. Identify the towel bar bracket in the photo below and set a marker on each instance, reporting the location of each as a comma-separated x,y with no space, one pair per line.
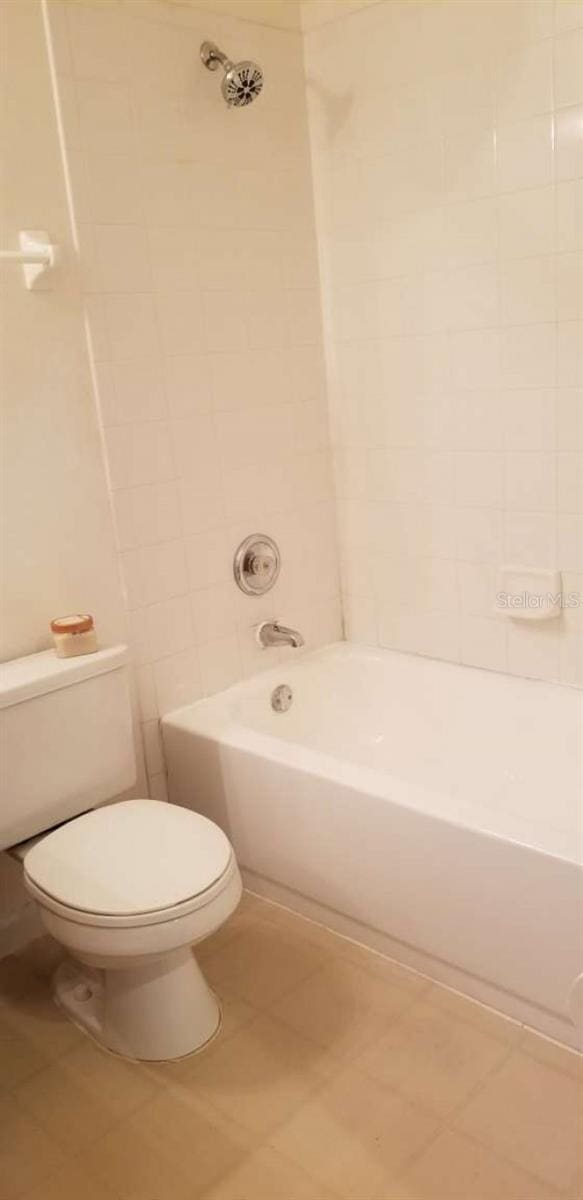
37,257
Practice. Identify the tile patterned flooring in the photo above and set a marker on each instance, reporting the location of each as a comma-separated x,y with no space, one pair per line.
337,1076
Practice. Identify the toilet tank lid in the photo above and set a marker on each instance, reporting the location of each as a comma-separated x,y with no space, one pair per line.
37,674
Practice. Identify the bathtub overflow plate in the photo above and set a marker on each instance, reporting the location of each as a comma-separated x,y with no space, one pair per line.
281,698
256,564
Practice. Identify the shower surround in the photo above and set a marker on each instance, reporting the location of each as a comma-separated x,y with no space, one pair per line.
201,288
448,154
444,141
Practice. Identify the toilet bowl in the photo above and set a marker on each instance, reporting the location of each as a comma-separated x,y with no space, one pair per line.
128,889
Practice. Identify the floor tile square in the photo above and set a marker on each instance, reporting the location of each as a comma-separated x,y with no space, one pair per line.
532,1115
342,1007
266,1175
455,1168
259,965
355,1136
69,1110
126,1162
259,1076
72,1182
432,1058
27,1152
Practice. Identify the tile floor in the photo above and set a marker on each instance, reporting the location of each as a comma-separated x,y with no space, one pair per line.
337,1076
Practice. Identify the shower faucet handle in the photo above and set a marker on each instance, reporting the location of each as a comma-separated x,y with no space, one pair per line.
256,564
261,564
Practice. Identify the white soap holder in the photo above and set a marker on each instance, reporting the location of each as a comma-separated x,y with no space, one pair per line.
528,593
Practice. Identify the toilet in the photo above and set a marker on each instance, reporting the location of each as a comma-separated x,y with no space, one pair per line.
127,887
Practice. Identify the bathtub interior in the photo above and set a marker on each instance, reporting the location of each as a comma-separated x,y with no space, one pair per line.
493,752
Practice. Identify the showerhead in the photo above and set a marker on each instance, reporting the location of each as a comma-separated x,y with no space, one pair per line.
242,81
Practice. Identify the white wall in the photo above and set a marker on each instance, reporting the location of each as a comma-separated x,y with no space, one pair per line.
56,534
448,154
201,286
56,537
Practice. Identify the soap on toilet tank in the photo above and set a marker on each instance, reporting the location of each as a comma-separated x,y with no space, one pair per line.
74,634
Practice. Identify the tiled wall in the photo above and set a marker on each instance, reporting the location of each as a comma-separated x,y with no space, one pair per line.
448,154
202,293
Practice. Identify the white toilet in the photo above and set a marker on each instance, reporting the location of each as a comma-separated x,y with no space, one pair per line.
127,888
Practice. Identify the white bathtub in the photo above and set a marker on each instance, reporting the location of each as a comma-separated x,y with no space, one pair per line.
429,810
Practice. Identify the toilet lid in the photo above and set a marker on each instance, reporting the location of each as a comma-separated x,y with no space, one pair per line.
135,857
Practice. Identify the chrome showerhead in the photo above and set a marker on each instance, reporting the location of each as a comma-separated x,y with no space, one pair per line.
242,81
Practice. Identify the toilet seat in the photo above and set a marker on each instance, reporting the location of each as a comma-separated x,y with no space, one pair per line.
136,863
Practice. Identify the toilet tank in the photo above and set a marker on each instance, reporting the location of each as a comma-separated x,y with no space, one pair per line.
66,742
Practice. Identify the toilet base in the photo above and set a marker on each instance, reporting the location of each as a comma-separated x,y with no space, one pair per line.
157,1009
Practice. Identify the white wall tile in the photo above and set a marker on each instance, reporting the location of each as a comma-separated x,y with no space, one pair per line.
568,63
139,453
202,506
220,663
176,258
214,612
569,143
470,166
224,322
145,515
570,482
570,354
528,356
130,321
98,37
121,259
483,642
571,659
146,689
177,680
570,419
531,540
527,290
529,417
105,118
153,748
154,573
136,393
527,222
568,14
479,480
570,541
524,82
570,215
161,630
114,195
209,557
480,535
188,385
569,285
181,322
524,154
533,651
531,482
196,450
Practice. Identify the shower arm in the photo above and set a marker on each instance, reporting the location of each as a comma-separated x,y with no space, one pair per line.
212,56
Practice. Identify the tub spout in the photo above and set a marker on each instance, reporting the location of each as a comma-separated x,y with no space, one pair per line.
271,633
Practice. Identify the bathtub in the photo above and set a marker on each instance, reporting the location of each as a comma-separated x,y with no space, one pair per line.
431,811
